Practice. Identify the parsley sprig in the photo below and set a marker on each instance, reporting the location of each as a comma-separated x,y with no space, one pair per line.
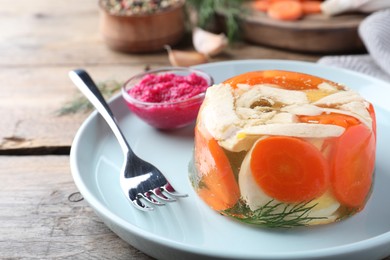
231,9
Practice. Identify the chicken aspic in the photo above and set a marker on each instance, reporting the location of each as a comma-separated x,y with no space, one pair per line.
284,149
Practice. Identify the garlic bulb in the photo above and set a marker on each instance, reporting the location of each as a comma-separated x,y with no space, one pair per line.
334,7
185,58
208,43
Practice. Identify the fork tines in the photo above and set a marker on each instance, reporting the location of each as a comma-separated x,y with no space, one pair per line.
156,197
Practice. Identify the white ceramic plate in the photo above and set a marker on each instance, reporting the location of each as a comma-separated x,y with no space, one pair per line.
190,230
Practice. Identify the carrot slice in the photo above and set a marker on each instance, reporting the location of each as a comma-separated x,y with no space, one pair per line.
218,183
289,169
285,79
261,5
211,199
371,110
288,10
311,7
331,119
353,163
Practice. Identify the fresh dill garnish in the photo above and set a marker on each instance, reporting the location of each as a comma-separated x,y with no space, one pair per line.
206,10
274,214
80,104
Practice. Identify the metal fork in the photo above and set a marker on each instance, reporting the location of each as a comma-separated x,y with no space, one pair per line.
140,181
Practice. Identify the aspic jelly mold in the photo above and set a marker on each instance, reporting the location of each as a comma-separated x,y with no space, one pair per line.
284,149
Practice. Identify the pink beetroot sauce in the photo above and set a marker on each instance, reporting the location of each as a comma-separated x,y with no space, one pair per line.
169,97
168,87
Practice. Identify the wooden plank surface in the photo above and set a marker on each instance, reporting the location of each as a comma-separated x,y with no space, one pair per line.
41,216
40,41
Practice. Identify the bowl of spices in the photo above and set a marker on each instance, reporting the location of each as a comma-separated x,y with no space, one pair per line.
167,98
141,26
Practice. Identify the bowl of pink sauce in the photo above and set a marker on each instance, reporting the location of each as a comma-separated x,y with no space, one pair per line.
167,98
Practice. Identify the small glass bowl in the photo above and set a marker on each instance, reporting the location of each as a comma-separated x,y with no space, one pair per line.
166,115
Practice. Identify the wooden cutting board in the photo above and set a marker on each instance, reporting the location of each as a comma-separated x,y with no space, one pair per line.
313,34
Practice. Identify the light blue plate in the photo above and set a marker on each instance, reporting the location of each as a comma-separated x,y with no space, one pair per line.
188,229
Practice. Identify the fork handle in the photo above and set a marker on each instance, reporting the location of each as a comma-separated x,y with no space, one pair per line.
88,87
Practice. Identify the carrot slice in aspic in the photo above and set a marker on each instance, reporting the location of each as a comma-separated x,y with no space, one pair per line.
371,111
353,162
289,169
285,79
352,157
331,119
218,186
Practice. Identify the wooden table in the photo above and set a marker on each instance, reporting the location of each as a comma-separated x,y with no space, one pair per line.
41,213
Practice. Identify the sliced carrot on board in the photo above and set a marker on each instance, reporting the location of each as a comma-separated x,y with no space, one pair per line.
308,6
289,169
285,79
274,1
261,5
353,163
287,10
331,119
311,7
218,182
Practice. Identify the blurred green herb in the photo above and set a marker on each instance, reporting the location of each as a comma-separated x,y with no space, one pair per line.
274,215
231,9
80,104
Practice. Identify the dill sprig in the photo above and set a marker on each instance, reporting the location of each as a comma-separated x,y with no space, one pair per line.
230,8
274,215
80,104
